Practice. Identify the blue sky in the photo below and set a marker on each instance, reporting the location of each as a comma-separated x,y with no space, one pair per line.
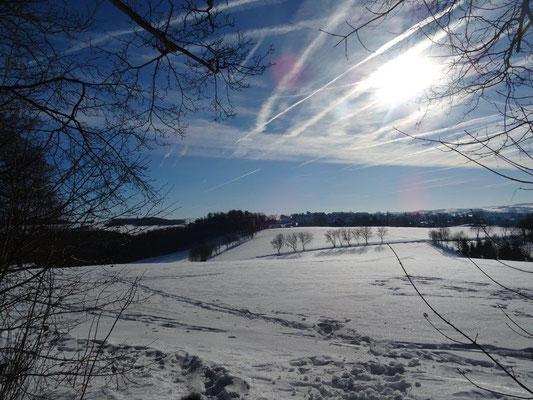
317,132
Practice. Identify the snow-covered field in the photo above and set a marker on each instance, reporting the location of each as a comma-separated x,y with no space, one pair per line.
260,246
323,324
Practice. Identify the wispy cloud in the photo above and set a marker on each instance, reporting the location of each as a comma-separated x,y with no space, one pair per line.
328,143
266,109
263,120
98,38
310,24
233,180
342,120
448,183
496,185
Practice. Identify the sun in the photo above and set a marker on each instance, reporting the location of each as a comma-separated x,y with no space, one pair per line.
403,78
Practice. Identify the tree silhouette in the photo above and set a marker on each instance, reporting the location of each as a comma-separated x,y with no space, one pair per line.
278,242
291,240
331,237
84,108
305,238
382,232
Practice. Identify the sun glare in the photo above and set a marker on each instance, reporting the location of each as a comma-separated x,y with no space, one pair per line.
403,78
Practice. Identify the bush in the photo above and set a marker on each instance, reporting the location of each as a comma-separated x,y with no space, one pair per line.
444,234
463,247
434,236
489,249
440,235
201,252
512,251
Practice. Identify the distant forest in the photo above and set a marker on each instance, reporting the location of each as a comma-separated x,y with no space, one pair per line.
87,246
100,246
408,219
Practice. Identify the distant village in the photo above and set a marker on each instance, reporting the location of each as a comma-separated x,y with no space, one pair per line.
504,216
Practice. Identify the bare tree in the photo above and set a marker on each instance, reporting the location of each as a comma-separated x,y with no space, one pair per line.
477,229
305,238
440,235
40,300
382,232
338,236
366,233
445,234
484,48
458,236
278,242
291,240
345,235
331,237
356,234
468,339
506,231
434,236
78,109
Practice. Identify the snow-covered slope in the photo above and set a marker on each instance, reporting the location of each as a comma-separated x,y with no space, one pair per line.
261,247
324,324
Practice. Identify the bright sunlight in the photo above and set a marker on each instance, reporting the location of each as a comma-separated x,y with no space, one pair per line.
404,78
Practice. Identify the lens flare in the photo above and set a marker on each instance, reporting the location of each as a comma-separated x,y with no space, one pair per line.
289,71
413,193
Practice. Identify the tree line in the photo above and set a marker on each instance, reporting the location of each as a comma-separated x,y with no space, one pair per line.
89,246
511,244
342,237
413,219
291,240
204,236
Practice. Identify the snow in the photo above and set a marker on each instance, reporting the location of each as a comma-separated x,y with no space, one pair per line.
138,229
322,324
261,247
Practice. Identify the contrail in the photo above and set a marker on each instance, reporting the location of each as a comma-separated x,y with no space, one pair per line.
378,52
128,31
277,30
456,183
451,130
233,180
267,106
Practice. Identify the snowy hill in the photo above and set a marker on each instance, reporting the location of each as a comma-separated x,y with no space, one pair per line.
261,247
522,208
323,324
